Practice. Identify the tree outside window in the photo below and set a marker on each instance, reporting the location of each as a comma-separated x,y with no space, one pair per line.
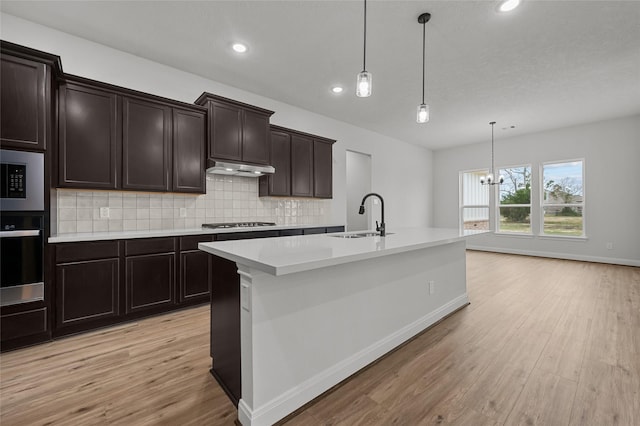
563,198
515,200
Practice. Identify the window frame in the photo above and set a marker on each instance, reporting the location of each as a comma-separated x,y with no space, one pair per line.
462,206
582,205
498,203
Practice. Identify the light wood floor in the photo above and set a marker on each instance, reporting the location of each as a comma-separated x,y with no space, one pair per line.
544,342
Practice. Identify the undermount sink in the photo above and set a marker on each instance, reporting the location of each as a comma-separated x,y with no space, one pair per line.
358,235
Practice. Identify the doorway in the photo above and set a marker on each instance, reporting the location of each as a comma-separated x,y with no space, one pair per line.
358,184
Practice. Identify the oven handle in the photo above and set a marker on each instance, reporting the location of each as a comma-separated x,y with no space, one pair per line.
23,233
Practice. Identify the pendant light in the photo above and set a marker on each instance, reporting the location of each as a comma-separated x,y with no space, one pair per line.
489,179
363,83
423,109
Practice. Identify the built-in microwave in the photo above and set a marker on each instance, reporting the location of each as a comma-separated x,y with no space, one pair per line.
21,181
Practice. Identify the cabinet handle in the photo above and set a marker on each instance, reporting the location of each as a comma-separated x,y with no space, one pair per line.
25,233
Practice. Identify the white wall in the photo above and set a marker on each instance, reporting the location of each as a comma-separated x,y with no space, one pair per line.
358,184
395,164
611,150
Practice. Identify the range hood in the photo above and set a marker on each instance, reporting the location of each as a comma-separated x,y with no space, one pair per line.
237,169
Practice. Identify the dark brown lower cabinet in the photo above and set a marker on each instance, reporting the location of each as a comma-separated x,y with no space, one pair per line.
150,273
195,269
150,281
87,291
87,285
24,327
102,283
225,327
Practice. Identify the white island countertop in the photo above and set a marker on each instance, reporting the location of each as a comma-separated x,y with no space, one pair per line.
286,255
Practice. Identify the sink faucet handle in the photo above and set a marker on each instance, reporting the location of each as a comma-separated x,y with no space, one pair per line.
377,226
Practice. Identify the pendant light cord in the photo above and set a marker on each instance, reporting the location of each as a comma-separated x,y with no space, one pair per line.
364,56
424,30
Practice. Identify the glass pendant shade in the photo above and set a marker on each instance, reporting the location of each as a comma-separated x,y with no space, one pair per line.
423,113
363,85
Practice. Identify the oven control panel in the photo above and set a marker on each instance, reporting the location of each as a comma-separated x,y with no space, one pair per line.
13,178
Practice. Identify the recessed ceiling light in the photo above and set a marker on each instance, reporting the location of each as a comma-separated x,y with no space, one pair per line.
508,5
337,89
239,47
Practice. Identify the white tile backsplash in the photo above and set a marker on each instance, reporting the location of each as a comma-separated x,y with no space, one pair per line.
228,199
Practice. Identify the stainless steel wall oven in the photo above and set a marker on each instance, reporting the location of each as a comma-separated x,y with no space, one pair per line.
21,227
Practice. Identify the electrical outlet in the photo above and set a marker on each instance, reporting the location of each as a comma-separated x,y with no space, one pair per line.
183,212
432,287
104,212
609,246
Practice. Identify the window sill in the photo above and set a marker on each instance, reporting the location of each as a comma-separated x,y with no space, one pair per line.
563,237
513,234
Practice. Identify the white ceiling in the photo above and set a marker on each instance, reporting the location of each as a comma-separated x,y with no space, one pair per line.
546,65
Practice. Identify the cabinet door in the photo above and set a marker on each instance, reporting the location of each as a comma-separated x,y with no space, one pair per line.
195,274
255,138
189,133
150,281
86,291
23,103
280,181
146,139
89,140
301,166
225,141
322,170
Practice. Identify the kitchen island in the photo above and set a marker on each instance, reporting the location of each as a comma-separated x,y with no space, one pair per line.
315,309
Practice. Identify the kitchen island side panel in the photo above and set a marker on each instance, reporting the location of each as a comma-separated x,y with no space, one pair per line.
303,333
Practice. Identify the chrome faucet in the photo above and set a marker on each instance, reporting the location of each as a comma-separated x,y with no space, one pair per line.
380,228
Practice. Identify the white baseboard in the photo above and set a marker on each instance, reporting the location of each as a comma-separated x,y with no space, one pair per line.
553,255
294,398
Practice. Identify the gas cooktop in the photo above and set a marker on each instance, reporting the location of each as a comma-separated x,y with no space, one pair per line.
236,224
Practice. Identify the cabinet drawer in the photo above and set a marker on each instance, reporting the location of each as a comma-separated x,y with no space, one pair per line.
23,324
149,246
191,242
76,252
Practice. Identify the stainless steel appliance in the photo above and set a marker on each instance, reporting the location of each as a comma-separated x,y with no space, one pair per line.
21,227
22,181
21,271
236,224
237,169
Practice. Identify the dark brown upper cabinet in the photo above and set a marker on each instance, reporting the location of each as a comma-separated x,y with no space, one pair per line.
237,132
146,139
303,164
25,97
89,137
322,169
279,184
115,138
189,134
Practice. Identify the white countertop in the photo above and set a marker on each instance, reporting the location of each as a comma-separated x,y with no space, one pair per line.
286,255
125,235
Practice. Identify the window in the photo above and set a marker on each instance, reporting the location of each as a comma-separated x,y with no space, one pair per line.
474,201
514,209
563,198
